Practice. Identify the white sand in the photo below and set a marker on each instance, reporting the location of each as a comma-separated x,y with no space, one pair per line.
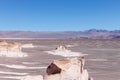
14,73
37,77
30,63
65,53
12,77
71,45
28,46
98,59
13,54
21,66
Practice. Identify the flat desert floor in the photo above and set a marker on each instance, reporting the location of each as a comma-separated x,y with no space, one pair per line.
102,61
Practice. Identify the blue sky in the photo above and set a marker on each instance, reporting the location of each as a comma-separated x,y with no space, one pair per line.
59,15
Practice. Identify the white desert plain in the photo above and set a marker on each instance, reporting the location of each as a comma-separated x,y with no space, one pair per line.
59,59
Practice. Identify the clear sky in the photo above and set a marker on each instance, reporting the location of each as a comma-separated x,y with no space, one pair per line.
59,15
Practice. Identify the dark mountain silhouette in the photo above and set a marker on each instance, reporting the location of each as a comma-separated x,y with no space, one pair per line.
88,34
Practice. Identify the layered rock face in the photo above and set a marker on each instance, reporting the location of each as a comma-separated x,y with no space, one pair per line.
67,69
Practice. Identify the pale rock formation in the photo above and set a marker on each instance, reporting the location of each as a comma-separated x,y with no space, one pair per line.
63,51
3,42
67,69
11,50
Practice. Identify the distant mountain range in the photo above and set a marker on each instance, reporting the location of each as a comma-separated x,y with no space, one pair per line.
88,34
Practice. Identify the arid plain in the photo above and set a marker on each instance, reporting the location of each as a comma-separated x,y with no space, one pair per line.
102,61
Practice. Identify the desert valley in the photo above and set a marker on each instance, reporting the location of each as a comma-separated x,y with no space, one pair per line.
102,57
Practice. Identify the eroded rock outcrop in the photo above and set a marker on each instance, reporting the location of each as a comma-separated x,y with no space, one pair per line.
64,69
67,69
62,50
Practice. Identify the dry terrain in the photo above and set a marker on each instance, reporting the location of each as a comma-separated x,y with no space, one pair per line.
102,61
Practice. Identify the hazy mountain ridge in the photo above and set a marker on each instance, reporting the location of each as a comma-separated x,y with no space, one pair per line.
88,34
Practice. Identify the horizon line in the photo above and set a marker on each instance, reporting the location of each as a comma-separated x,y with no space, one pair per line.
61,30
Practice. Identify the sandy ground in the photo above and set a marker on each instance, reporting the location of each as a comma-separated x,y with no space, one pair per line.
102,61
